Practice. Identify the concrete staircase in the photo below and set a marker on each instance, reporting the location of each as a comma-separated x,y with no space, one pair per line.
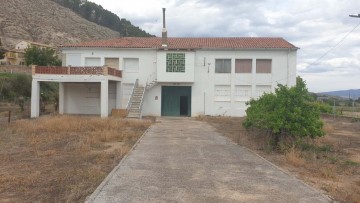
135,106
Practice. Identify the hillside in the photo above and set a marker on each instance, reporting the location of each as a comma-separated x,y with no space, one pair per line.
97,14
353,93
47,22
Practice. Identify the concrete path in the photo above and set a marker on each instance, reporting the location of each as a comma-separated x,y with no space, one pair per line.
183,160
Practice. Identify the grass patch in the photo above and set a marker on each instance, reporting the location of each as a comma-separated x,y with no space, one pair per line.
62,158
294,157
7,75
327,162
351,163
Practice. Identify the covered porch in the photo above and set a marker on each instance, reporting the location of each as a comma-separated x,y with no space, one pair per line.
82,90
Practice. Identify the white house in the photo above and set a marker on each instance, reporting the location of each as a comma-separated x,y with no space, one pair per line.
161,76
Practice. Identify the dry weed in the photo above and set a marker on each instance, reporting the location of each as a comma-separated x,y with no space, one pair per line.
328,172
293,156
328,128
61,158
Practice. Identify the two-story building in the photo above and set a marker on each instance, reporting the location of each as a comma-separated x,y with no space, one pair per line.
161,76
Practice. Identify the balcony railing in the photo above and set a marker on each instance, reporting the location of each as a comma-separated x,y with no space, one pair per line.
76,70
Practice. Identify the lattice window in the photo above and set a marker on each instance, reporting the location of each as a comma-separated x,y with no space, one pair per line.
175,62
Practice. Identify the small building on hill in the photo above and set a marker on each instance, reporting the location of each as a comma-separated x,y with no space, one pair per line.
16,56
168,76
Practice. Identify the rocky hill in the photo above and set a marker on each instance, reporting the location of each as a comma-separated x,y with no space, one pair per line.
47,22
97,14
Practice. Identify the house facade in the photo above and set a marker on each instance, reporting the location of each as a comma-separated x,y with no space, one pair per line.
16,56
181,77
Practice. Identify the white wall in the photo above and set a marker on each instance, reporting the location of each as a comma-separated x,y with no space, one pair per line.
199,74
206,80
187,76
84,98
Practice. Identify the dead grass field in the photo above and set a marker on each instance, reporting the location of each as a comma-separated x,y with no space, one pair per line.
330,163
61,158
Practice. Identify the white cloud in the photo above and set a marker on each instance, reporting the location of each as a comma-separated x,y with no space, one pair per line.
314,26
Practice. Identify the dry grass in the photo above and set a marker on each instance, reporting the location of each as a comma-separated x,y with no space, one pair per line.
328,128
61,158
330,163
293,156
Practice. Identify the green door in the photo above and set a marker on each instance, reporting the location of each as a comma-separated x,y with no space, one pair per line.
175,101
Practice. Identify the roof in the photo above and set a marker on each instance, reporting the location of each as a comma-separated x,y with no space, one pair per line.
191,43
17,50
35,43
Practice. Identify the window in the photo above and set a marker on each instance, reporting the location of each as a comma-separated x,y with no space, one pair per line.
175,62
73,59
222,65
242,91
261,89
263,65
243,65
131,65
222,92
112,62
92,62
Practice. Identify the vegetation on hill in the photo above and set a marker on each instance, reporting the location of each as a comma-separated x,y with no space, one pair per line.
287,113
47,22
41,57
2,51
97,14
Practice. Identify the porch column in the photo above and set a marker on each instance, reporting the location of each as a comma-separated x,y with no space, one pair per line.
118,95
61,98
35,98
104,99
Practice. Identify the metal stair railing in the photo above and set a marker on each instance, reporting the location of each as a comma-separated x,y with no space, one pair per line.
151,80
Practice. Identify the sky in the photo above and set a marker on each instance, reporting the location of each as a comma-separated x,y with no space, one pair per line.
329,54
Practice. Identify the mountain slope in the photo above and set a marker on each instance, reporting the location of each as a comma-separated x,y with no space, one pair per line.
354,94
47,22
97,14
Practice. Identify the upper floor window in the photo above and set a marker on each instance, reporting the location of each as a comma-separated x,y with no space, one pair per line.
131,65
222,65
263,65
175,62
243,65
92,61
112,62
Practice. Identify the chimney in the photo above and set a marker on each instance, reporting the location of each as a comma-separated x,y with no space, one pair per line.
164,31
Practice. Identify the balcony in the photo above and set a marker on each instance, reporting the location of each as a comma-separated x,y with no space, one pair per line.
76,70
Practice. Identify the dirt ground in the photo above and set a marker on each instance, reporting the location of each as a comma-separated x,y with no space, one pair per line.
61,158
330,163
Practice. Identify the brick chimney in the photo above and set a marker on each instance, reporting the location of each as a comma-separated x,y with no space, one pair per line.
164,32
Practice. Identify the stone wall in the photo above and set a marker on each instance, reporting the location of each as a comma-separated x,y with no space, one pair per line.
15,69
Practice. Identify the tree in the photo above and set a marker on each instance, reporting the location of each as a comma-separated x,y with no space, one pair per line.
289,112
2,53
41,57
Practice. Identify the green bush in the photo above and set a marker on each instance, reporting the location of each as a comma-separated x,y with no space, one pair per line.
41,57
289,112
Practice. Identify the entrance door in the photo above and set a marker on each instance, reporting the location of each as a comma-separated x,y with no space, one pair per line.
184,101
175,101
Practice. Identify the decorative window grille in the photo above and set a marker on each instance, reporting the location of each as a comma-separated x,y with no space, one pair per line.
175,62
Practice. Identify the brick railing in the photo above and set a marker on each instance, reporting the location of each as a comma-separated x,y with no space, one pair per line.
76,70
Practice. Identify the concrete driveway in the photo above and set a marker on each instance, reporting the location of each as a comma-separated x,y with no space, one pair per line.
183,160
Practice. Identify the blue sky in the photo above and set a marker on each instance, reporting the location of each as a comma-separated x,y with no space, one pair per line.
316,26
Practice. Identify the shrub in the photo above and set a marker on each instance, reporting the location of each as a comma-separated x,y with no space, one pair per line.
289,112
